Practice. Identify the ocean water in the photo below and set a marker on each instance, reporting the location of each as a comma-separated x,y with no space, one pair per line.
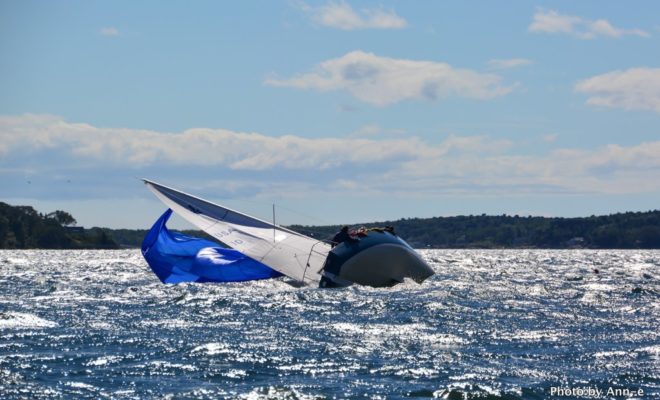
510,324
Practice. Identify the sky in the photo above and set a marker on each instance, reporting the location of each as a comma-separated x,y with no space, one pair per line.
337,112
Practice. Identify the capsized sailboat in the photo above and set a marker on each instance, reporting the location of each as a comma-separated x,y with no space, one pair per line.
268,250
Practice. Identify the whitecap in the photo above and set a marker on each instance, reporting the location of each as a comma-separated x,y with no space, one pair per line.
610,354
81,385
103,361
652,351
235,373
17,320
212,349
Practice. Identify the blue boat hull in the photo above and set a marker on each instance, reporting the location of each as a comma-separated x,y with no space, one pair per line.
379,259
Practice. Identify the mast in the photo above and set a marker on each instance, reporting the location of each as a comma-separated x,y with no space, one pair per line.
273,222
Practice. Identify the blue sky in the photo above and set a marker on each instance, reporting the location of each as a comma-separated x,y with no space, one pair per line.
339,112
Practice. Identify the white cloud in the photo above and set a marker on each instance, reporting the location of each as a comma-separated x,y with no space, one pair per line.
550,21
611,169
373,130
550,137
509,63
199,147
367,130
341,15
382,80
109,31
632,89
294,164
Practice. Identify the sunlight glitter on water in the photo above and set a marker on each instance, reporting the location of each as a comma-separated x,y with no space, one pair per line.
509,324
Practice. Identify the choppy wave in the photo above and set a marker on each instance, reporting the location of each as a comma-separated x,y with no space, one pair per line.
490,324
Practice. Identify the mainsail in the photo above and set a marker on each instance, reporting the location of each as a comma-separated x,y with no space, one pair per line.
290,253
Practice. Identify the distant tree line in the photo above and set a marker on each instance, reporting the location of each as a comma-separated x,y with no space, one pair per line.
22,227
630,230
134,237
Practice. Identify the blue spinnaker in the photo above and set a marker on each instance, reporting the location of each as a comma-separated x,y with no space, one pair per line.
175,258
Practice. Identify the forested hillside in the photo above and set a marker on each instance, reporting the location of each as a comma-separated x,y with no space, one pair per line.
22,227
624,230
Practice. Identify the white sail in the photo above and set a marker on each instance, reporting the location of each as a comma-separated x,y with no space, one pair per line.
290,253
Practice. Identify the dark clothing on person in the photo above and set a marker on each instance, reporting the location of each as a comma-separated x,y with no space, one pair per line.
341,237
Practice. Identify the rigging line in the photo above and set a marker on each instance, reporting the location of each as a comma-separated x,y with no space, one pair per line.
327,238
235,204
315,234
325,222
